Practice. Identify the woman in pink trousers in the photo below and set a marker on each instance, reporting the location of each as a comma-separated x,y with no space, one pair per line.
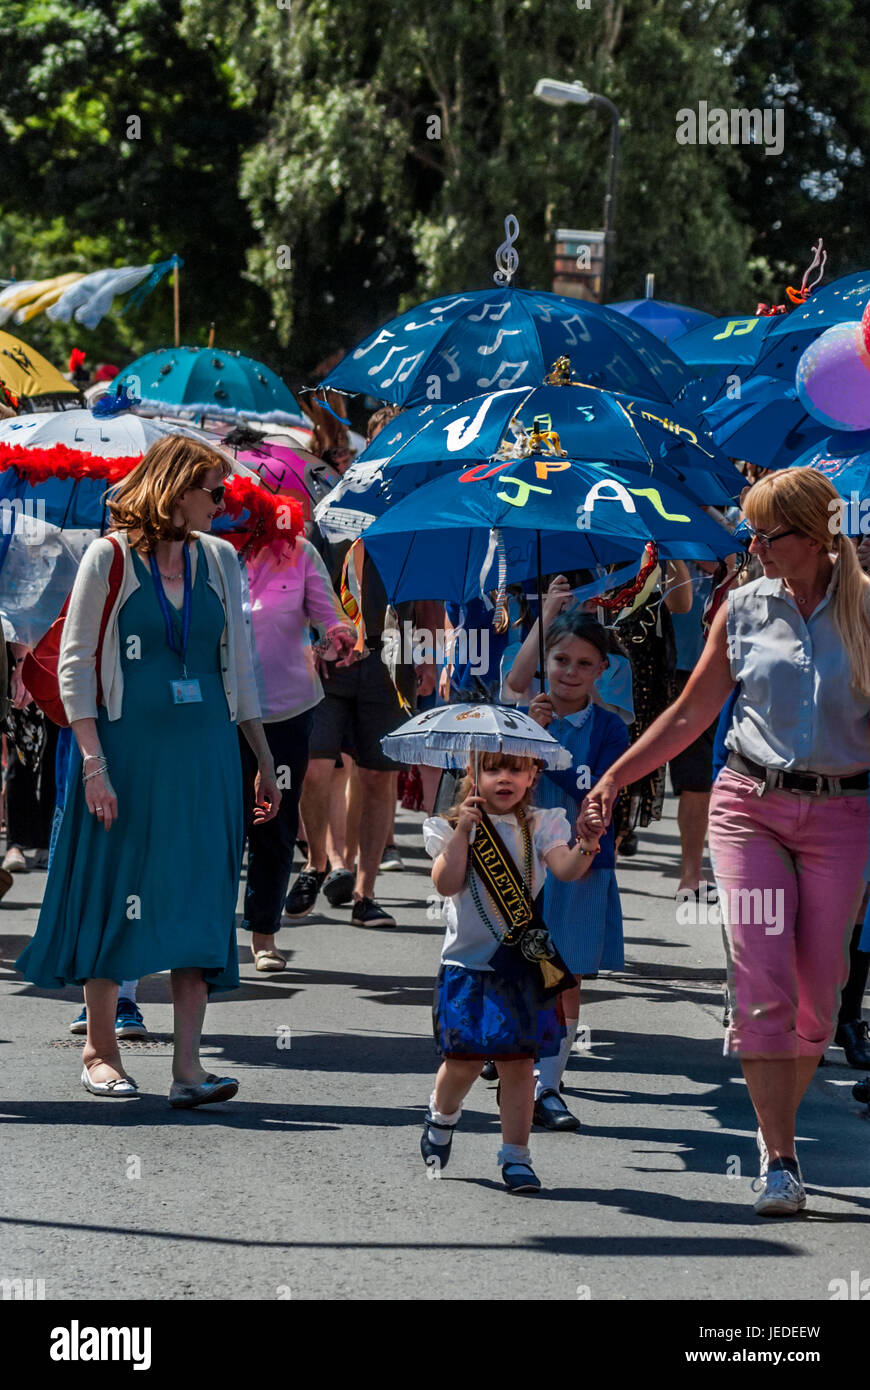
789,815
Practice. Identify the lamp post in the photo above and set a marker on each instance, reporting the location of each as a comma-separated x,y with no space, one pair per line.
562,94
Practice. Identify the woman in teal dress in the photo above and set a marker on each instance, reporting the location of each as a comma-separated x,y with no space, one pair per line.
146,868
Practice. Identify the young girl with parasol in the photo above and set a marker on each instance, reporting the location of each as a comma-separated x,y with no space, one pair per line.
500,974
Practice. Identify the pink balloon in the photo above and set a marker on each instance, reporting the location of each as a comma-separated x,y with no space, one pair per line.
864,336
833,378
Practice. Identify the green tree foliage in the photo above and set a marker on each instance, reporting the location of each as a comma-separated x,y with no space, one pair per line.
82,185
813,59
322,164
395,139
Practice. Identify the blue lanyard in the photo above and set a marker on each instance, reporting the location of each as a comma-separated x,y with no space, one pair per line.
164,607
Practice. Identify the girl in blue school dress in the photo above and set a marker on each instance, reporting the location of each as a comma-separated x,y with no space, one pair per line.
584,917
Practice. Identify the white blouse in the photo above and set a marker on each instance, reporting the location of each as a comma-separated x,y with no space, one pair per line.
468,941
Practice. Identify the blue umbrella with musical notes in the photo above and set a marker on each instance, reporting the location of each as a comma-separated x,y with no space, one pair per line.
460,345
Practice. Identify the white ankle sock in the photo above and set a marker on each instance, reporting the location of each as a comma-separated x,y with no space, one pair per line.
514,1153
441,1136
128,990
548,1072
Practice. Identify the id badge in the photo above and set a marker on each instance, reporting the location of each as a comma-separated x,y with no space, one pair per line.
186,692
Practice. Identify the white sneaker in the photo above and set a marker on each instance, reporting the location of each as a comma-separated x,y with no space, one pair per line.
783,1194
392,862
15,862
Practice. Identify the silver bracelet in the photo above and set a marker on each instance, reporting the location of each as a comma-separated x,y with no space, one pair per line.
89,757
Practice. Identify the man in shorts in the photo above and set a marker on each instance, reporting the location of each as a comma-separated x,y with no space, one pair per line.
359,708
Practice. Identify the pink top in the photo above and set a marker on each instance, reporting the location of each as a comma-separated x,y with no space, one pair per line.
287,597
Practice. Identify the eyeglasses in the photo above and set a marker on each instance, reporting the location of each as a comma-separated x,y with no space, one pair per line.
765,541
215,493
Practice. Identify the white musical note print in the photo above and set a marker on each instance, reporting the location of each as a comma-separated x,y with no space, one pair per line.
451,357
504,382
374,370
499,339
401,375
445,308
383,337
412,327
581,329
499,311
623,369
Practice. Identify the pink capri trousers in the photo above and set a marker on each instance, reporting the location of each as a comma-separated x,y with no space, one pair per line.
790,871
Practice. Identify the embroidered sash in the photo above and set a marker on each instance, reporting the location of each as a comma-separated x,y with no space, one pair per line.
525,934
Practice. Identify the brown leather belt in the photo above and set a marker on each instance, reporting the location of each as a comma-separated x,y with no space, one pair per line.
812,783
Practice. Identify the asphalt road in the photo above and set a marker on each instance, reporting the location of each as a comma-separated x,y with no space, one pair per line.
310,1185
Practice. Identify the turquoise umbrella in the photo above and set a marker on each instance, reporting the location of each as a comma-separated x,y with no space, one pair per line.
191,382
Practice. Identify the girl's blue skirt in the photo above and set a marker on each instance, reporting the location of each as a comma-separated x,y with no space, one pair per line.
480,1014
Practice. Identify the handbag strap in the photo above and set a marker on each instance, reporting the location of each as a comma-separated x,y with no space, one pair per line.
116,574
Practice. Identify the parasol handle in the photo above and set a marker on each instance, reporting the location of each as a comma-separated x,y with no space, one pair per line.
542,670
474,791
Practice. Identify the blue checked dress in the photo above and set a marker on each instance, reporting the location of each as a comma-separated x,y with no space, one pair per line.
585,917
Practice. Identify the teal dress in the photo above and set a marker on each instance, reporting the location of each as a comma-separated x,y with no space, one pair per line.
158,890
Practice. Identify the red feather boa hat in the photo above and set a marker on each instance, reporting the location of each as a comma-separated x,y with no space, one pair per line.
269,519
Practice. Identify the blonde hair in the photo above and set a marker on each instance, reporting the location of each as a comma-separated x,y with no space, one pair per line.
490,762
805,500
146,498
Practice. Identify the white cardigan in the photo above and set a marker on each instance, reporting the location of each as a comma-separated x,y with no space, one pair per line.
77,666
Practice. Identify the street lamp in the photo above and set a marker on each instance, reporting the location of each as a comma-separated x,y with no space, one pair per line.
562,94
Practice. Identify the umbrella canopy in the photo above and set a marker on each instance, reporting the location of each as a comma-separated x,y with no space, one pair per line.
843,301
766,423
587,422
667,321
444,737
726,344
295,472
54,474
450,348
26,375
113,436
53,461
190,382
442,540
845,461
771,345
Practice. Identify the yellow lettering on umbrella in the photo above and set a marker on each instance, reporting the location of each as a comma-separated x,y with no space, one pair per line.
732,327
655,497
523,489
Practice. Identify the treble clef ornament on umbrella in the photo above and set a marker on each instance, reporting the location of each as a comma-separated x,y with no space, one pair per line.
506,258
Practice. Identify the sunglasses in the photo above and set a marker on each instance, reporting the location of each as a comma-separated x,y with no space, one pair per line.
765,541
215,493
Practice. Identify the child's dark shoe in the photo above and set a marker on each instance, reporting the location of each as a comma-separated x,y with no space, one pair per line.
489,1072
520,1177
551,1112
435,1155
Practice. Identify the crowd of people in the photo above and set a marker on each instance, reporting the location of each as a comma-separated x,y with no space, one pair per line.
749,680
